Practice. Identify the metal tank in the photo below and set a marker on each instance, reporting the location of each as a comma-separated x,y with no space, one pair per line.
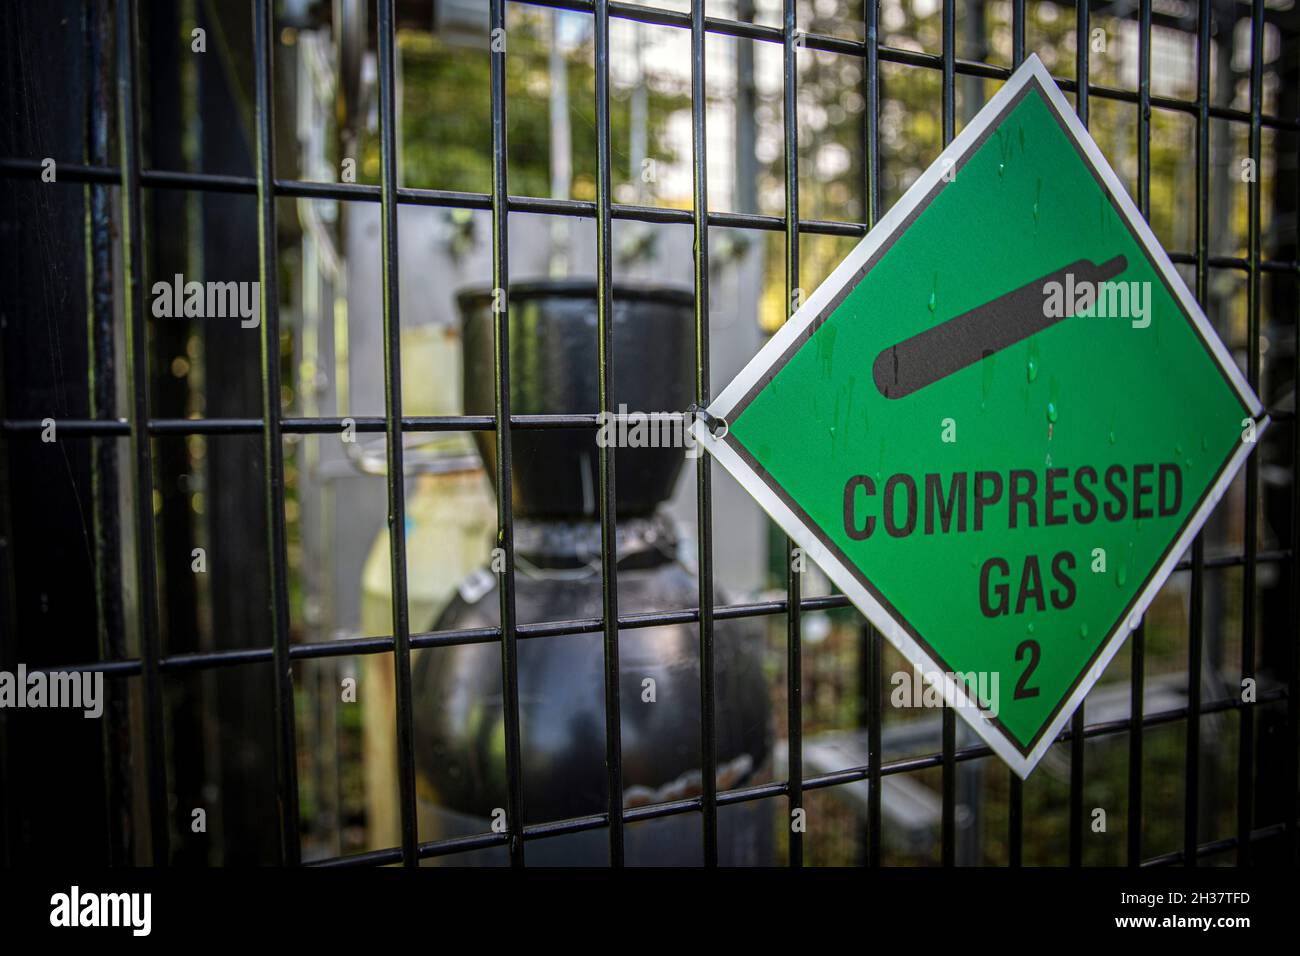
458,691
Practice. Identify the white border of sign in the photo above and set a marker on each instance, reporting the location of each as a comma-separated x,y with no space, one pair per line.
954,694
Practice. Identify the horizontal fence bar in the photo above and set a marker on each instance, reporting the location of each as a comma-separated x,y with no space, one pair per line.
780,788
356,192
1216,846
347,647
482,841
366,424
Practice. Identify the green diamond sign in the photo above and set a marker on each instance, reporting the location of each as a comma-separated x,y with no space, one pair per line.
1000,422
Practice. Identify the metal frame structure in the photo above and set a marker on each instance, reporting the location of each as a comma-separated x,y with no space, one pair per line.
152,666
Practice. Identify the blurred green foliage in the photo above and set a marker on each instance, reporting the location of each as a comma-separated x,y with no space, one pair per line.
446,114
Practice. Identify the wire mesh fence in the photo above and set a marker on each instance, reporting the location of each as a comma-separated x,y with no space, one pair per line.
142,431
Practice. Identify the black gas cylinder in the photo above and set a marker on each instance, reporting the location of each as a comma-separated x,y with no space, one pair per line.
553,370
458,690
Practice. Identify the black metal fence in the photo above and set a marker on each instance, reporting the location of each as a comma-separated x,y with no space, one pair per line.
152,667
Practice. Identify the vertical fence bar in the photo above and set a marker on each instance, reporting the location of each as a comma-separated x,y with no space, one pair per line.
949,825
101,387
871,97
1195,644
1017,32
504,475
1196,622
1137,710
949,70
1082,16
1137,647
1292,778
1077,723
137,372
703,464
1016,792
875,646
1016,822
12,824
875,716
286,741
1246,726
793,295
608,510
388,147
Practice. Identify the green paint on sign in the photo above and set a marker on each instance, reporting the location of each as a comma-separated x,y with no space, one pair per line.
977,424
